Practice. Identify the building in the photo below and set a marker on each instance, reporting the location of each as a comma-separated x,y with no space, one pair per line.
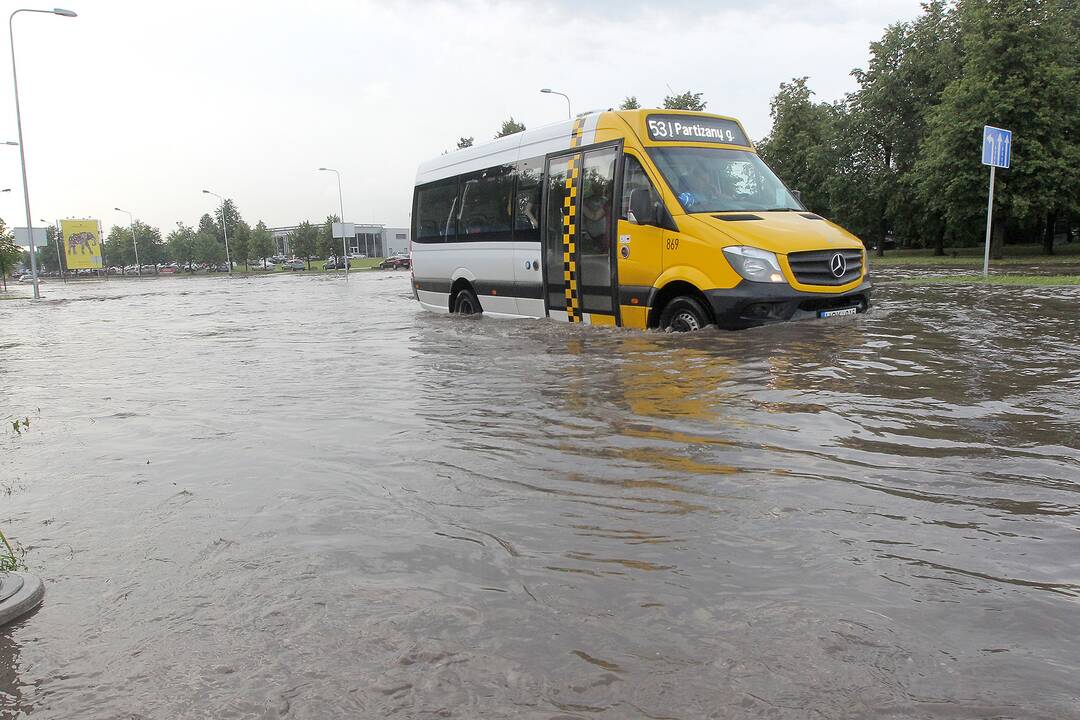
370,239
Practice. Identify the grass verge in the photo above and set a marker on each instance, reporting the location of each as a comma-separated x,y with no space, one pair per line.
973,257
1011,279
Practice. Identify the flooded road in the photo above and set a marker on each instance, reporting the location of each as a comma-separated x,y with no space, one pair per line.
285,497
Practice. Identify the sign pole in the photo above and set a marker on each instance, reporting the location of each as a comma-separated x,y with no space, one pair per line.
58,263
989,223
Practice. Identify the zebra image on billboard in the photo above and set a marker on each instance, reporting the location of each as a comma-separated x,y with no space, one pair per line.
82,244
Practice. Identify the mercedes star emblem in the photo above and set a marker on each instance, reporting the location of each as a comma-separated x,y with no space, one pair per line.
838,265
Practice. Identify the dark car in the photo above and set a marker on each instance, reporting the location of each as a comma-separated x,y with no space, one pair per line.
335,264
398,262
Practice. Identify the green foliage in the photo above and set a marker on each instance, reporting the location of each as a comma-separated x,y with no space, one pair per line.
180,246
465,142
10,253
304,241
800,147
630,102
685,101
118,248
1019,70
240,243
262,243
509,127
901,155
207,224
207,249
328,244
9,562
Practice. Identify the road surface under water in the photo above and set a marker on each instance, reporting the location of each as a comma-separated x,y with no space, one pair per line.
288,497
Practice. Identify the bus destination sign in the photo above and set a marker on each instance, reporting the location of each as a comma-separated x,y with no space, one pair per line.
686,128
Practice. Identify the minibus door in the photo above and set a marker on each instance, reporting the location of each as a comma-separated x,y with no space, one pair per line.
640,240
579,237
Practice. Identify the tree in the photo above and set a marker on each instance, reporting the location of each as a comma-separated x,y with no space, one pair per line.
262,243
630,102
9,253
47,254
180,245
232,220
465,142
207,249
304,241
151,248
327,244
509,127
240,244
800,146
1019,70
686,101
118,248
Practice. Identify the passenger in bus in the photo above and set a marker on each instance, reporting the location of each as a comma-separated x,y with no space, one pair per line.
527,215
595,222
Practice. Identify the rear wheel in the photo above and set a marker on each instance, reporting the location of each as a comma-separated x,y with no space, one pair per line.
466,303
684,314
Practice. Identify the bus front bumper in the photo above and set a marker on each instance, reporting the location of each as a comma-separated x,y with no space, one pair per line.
751,303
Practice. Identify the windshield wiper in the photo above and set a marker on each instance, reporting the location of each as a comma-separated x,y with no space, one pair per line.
783,209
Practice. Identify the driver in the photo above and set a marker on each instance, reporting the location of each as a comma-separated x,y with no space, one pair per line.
703,193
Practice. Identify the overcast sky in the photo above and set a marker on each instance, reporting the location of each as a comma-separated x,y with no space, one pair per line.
141,104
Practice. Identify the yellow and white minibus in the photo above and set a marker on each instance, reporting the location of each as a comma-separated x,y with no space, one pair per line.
638,218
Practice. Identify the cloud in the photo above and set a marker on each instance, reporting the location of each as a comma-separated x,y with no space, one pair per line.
143,104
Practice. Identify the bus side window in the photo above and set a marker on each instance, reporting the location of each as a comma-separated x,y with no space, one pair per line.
638,188
527,200
434,205
484,208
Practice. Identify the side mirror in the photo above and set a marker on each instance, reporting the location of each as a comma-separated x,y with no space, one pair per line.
797,194
643,209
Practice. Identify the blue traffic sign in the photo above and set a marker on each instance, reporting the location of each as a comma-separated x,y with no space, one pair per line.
997,147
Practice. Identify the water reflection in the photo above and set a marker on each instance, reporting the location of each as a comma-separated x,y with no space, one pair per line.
12,701
856,518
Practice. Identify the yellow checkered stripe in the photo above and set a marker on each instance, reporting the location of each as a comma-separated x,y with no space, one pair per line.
573,170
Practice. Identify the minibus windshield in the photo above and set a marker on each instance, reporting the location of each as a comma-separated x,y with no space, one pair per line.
721,180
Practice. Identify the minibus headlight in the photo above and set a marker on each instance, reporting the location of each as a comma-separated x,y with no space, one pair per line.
754,264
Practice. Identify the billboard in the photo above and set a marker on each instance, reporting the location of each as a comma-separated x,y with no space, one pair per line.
82,244
22,238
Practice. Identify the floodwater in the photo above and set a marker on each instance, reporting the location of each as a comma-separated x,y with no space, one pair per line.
285,497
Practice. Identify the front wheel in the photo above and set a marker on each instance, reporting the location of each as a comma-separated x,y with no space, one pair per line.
684,314
466,303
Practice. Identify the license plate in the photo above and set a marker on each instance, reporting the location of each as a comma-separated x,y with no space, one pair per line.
837,313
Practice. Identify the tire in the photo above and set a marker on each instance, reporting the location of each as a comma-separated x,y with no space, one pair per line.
683,314
466,303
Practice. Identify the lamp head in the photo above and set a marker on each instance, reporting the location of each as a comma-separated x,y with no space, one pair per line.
64,13
546,90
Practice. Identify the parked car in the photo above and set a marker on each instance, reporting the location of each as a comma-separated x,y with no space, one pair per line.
335,264
397,262
294,264
167,270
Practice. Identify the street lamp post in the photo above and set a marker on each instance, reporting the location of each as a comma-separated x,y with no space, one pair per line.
341,209
224,230
56,240
134,240
549,91
22,147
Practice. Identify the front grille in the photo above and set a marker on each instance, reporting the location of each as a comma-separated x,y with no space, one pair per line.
815,267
